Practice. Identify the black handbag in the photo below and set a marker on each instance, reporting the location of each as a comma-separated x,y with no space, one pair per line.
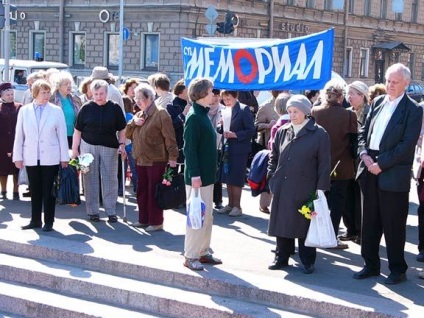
66,187
172,196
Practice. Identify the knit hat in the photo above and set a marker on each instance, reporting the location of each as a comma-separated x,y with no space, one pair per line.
100,72
301,102
5,86
360,87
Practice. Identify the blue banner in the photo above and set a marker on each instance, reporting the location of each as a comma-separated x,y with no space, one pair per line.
261,64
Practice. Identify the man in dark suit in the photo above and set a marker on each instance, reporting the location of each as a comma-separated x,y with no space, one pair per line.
386,148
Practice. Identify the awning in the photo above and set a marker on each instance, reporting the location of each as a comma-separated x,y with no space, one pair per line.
398,46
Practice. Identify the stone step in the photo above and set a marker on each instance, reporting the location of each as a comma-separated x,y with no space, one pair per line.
262,288
128,293
19,300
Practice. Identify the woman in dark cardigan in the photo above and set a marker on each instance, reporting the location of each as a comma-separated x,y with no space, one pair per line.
299,165
235,151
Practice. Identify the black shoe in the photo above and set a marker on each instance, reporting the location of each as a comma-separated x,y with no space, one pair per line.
278,263
26,194
347,237
366,273
420,256
15,195
308,269
3,195
48,227
113,219
218,206
395,278
94,218
31,225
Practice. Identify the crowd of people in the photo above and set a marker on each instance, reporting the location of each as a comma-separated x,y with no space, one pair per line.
358,144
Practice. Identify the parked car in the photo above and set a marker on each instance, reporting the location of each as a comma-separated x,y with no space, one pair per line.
415,91
20,69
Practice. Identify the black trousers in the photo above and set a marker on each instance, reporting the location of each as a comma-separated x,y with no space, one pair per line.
420,188
285,247
352,218
337,202
41,179
384,212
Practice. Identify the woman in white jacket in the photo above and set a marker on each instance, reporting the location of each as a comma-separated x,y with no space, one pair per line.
41,145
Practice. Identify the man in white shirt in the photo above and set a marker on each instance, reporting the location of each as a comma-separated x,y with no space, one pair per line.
386,148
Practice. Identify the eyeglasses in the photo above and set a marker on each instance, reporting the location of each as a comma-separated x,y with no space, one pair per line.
143,99
66,84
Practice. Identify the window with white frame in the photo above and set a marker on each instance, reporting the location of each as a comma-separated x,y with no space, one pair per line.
77,49
383,9
364,62
367,8
414,11
37,44
310,3
351,6
112,50
348,62
150,51
411,64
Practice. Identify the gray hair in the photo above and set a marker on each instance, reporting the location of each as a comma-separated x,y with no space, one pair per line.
198,88
146,90
399,67
97,84
281,102
58,78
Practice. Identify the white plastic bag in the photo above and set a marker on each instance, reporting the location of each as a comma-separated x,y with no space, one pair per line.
321,231
23,176
195,210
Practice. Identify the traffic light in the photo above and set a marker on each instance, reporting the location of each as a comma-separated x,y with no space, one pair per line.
13,9
227,27
2,19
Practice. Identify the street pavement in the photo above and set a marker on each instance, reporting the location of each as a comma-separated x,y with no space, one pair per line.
245,249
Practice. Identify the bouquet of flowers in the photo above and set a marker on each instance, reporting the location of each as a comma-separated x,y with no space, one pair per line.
82,162
308,209
168,176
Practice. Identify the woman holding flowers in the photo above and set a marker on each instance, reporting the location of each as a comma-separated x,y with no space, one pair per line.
100,131
299,165
154,147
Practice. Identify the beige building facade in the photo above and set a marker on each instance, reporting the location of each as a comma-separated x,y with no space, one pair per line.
369,36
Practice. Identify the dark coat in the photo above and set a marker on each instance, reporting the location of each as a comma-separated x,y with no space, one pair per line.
175,110
397,145
298,166
341,125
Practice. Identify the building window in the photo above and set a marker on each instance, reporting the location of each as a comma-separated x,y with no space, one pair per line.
414,11
364,62
367,8
112,51
411,63
328,4
398,16
383,9
12,44
310,3
348,62
77,49
351,6
291,2
37,45
150,51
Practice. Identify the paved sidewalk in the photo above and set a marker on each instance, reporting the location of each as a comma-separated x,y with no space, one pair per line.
243,246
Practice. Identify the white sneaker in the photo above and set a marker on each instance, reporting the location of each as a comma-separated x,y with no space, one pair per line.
236,212
225,210
154,228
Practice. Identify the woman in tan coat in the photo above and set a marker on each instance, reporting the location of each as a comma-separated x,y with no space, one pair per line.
154,146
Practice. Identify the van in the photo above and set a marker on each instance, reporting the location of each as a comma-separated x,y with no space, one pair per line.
20,69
